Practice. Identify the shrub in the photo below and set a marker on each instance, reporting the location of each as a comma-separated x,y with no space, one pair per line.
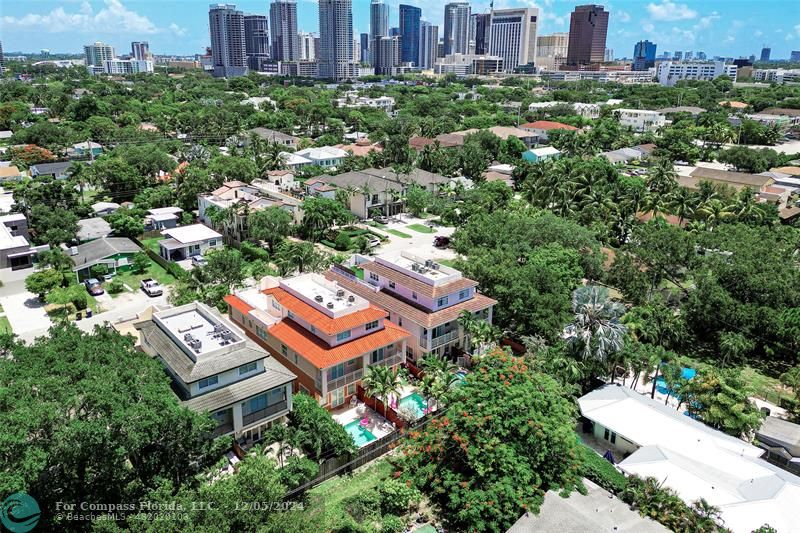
80,300
297,471
115,287
343,242
396,497
364,506
251,252
600,471
328,243
393,524
99,270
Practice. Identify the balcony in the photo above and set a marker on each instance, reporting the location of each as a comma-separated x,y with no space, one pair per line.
267,412
440,340
347,379
389,361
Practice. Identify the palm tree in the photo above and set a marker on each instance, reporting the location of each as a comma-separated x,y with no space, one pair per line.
661,177
746,208
682,204
597,330
381,382
77,173
440,375
714,212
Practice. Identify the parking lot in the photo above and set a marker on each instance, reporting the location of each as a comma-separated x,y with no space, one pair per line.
420,243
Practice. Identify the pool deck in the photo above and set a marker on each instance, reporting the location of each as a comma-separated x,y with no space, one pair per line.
378,426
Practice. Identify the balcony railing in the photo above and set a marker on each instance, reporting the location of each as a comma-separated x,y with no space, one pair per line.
388,361
347,379
222,429
268,411
438,341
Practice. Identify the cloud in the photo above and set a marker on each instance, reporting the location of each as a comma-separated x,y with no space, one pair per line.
705,22
622,16
114,17
177,30
669,11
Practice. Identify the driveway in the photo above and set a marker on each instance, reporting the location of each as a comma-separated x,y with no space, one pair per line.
418,243
25,314
123,307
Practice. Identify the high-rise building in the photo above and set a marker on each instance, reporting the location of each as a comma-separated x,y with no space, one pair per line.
141,50
678,55
228,57
2,59
479,33
688,55
608,56
795,55
409,34
428,44
456,28
394,31
306,41
512,36
283,30
364,48
551,50
765,53
336,39
378,22
701,56
98,52
256,41
386,55
644,55
356,49
588,26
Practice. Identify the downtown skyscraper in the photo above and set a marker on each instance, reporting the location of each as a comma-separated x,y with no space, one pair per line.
283,30
644,55
479,33
409,33
336,39
256,41
428,45
588,26
513,36
456,28
226,26
140,50
378,24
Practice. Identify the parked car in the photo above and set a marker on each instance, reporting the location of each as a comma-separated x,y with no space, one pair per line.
93,286
381,219
199,260
441,241
151,287
373,242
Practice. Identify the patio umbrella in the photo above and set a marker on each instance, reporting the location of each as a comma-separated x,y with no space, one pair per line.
609,457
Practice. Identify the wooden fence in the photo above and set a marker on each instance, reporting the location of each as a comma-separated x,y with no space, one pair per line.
377,406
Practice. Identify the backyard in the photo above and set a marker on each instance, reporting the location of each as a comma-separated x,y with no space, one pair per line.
154,271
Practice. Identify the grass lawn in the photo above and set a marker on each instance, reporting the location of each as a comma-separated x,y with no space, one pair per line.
5,325
447,262
421,228
375,224
359,273
155,271
328,496
764,386
398,233
152,243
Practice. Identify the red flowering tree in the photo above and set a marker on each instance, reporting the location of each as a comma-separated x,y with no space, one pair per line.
29,154
507,437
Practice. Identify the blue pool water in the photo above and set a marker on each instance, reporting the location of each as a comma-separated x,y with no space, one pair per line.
686,373
415,402
360,436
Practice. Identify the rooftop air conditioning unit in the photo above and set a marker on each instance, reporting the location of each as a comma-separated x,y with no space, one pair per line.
340,293
351,298
436,266
188,337
330,305
429,263
73,250
318,298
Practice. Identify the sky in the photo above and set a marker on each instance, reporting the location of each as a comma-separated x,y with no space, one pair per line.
718,27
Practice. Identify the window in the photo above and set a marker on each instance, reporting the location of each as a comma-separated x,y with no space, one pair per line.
374,199
284,350
312,329
261,333
374,277
290,314
350,389
414,295
337,397
337,371
275,304
463,294
391,285
295,357
249,367
400,321
208,382
372,325
606,434
343,335
212,242
613,438
442,301
377,356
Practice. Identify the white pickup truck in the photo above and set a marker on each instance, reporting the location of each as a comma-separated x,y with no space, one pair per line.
151,287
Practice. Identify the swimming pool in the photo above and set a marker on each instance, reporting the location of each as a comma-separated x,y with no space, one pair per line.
686,373
360,436
415,403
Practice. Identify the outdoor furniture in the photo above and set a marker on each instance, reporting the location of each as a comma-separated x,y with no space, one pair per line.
361,409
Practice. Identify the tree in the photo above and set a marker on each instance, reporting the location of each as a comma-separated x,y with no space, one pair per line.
320,214
506,438
226,267
53,225
74,295
140,262
417,199
44,281
88,392
271,225
119,179
597,332
720,399
317,432
734,346
127,226
380,382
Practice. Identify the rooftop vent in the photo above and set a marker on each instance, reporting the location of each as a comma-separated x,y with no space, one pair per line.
340,293
351,298
330,305
429,263
188,337
318,298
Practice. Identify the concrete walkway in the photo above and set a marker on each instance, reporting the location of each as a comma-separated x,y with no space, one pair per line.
25,314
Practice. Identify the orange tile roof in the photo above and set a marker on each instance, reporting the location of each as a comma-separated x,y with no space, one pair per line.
321,321
547,125
238,304
321,355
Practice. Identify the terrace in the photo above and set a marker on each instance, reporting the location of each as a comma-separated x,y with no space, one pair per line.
362,423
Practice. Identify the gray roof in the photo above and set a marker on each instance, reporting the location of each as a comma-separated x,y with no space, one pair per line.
597,511
775,432
682,109
58,167
383,179
274,375
93,228
188,371
741,178
272,135
93,252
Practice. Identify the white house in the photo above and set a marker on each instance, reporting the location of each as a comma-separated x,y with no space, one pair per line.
162,218
640,119
693,459
187,241
295,162
325,156
216,369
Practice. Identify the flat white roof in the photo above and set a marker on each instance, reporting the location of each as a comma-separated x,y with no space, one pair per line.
418,267
196,330
547,150
323,152
165,211
193,233
335,300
